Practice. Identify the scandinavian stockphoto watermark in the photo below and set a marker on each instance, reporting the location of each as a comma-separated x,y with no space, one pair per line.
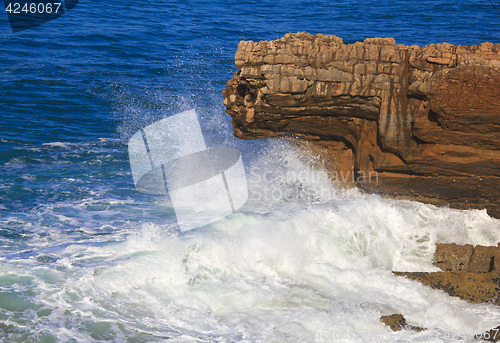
25,14
170,158
308,185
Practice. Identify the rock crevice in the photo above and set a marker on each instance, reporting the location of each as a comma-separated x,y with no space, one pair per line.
425,119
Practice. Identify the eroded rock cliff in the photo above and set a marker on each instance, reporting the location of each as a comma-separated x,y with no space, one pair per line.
422,122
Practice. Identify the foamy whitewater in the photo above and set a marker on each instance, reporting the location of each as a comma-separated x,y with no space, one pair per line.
84,257
303,261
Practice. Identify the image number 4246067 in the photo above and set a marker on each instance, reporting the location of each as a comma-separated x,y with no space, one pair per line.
25,14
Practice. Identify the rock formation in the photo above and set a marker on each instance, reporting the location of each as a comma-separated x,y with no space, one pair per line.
470,273
471,287
479,259
397,323
421,122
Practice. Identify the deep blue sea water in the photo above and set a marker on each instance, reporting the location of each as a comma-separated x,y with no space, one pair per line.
85,257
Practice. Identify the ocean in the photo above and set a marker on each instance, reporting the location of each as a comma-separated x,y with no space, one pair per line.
85,257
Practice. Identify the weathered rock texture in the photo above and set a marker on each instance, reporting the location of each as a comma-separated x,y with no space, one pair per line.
471,287
470,273
397,323
424,120
479,259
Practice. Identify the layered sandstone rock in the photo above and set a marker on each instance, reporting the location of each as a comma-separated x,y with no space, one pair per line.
424,120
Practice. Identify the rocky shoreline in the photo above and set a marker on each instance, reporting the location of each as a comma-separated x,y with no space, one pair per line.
422,122
470,273
412,122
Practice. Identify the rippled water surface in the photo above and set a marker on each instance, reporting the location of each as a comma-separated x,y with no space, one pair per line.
84,257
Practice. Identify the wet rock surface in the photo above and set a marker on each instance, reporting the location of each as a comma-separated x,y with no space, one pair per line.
397,323
471,287
470,273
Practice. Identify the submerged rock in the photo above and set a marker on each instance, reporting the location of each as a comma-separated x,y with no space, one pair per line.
397,323
408,121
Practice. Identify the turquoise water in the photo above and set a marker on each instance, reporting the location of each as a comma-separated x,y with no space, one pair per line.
85,257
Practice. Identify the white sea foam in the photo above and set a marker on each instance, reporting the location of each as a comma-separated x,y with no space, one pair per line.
299,266
58,144
304,273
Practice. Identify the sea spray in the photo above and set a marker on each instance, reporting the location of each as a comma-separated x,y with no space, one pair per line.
301,269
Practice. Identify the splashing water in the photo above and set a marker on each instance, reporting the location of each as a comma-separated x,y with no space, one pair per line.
294,265
86,258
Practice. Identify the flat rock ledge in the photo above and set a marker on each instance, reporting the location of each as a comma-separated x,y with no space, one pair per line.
470,273
408,121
